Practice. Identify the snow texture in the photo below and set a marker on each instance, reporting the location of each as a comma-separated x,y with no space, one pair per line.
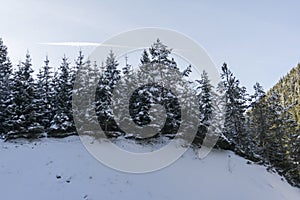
62,169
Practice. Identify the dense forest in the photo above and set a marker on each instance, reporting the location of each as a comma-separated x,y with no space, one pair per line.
263,127
288,88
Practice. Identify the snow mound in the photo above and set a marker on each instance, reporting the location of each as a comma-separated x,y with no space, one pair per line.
63,169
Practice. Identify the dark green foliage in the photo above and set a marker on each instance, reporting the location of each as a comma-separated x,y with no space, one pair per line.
5,88
205,99
161,54
145,58
45,96
288,88
140,104
23,120
204,89
235,107
108,79
274,132
143,97
62,122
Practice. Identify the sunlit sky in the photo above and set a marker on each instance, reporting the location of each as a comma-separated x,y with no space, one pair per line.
260,40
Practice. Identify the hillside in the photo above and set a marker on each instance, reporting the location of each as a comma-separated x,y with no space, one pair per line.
63,169
289,89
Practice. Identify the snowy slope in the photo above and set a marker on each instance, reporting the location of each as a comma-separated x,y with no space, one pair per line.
54,169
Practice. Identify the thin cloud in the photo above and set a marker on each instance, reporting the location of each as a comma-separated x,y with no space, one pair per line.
80,44
76,44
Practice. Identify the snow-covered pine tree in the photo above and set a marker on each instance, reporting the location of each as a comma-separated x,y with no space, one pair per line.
84,108
62,122
154,94
23,121
235,98
281,126
127,68
204,95
293,172
5,88
93,72
289,130
258,124
108,79
186,72
145,58
79,62
54,85
160,54
274,133
44,102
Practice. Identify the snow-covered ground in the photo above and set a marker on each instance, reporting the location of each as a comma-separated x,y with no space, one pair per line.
54,169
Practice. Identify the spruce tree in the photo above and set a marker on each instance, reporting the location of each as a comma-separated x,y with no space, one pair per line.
293,172
108,79
24,121
205,99
5,88
144,97
281,127
45,96
204,96
62,122
160,54
187,71
258,120
235,98
145,58
84,107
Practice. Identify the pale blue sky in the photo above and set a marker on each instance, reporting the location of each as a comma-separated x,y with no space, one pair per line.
260,40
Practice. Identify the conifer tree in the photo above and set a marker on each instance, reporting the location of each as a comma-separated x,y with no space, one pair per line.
235,98
45,96
108,79
205,99
160,54
23,121
258,120
281,126
62,122
5,88
145,58
204,95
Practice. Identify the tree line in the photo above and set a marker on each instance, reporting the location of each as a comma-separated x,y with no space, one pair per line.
257,126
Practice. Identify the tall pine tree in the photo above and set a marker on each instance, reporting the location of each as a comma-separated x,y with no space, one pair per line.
235,98
62,122
108,79
204,95
5,88
23,119
45,96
